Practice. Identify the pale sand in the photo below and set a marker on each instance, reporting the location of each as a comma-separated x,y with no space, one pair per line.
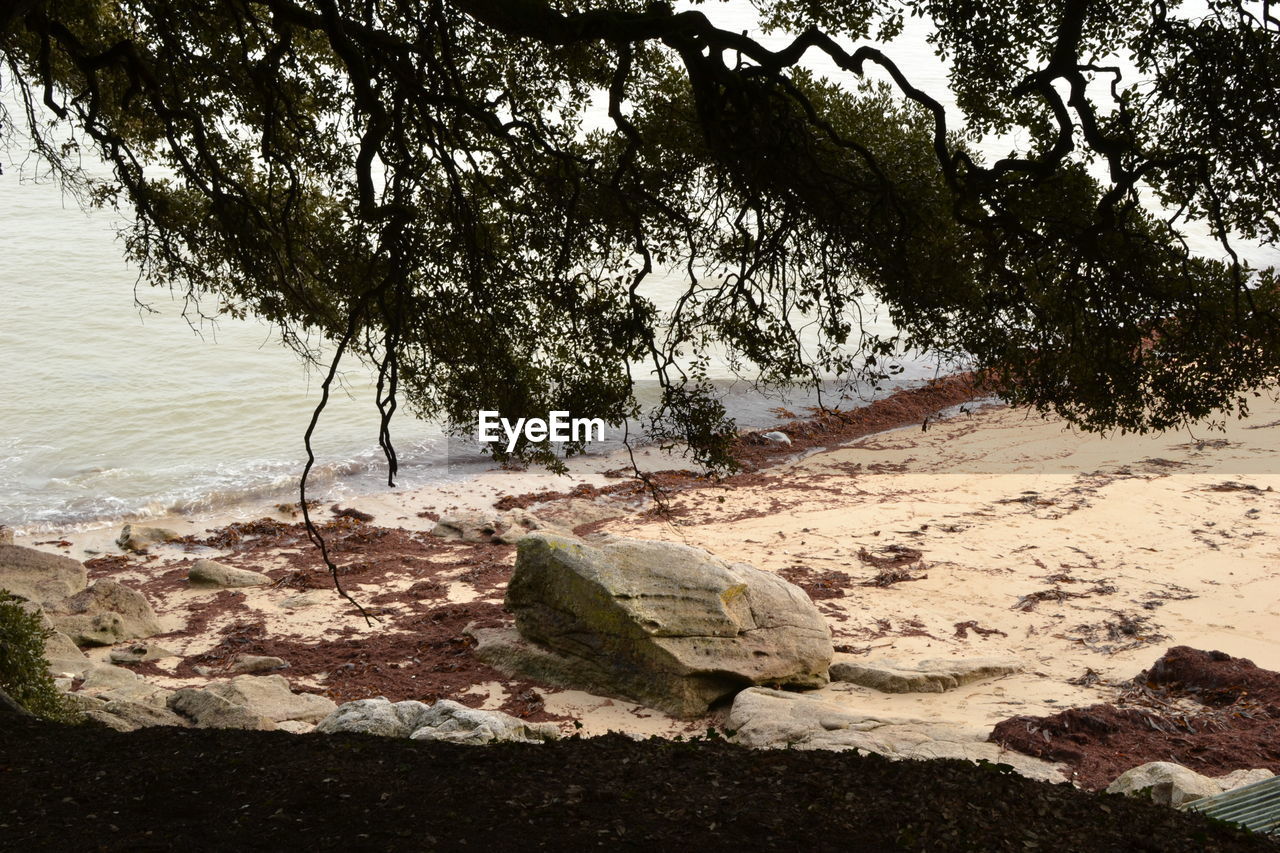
995,500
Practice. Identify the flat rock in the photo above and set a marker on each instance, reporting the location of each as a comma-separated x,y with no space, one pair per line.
662,624
137,537
109,682
1165,783
765,718
250,664
138,653
270,696
214,574
36,576
310,598
105,614
210,711
377,716
506,528
454,722
926,676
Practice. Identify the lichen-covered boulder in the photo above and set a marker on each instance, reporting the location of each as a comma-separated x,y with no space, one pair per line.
104,614
454,722
658,623
377,716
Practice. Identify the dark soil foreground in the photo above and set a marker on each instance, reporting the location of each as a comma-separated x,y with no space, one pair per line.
191,790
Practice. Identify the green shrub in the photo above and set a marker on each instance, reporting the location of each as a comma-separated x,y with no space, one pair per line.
24,671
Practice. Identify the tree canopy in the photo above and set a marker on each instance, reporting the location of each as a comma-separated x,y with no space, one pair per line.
418,182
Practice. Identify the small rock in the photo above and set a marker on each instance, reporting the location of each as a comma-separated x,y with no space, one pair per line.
1165,783
213,573
249,664
310,598
139,652
776,437
6,534
454,722
136,537
296,727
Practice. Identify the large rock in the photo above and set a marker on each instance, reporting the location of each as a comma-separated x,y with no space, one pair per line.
37,576
828,719
658,623
212,573
210,711
454,722
136,537
377,716
1170,784
927,676
104,614
270,696
1165,783
109,683
253,664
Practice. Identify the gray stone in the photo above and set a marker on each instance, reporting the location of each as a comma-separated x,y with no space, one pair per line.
111,721
1240,778
776,437
37,576
270,696
378,716
658,623
58,646
105,614
144,715
927,676
1164,783
136,537
250,664
453,722
213,573
210,711
831,719
138,653
83,702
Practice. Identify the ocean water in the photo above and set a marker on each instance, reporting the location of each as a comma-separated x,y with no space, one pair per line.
109,411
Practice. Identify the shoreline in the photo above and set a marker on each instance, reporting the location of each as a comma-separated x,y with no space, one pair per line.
987,533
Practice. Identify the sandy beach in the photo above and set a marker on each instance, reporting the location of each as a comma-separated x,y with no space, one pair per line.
983,531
